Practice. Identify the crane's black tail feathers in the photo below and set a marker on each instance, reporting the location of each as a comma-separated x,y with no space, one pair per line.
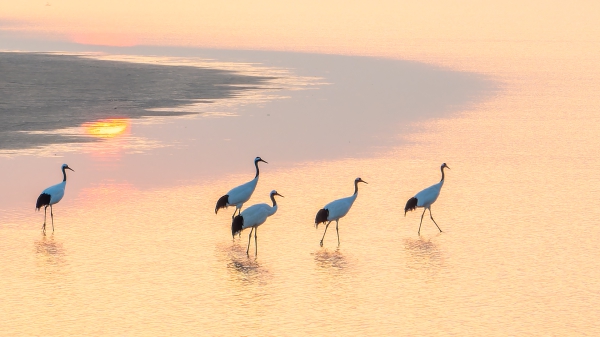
222,203
411,205
321,217
43,200
236,225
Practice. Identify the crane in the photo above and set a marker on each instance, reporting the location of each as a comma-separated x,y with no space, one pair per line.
239,195
252,217
51,196
336,210
425,198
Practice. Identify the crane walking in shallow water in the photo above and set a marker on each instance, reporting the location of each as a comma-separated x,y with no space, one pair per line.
425,198
239,195
335,210
252,217
51,196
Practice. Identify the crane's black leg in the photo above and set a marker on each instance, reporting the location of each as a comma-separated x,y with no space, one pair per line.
326,226
434,221
52,217
419,232
255,244
44,225
249,237
337,231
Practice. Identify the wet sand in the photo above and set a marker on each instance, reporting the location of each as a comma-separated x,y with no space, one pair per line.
48,92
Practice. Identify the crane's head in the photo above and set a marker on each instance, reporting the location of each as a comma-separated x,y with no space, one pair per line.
257,159
358,180
274,193
445,166
66,167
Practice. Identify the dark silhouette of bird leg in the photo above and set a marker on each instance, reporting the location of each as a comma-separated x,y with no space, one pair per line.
52,217
419,232
249,237
434,220
44,225
255,244
326,226
337,231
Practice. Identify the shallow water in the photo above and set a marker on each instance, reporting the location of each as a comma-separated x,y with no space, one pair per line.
138,249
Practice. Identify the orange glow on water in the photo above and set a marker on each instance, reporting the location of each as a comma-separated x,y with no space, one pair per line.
519,251
107,128
103,39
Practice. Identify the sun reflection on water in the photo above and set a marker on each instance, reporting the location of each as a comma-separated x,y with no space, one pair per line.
107,128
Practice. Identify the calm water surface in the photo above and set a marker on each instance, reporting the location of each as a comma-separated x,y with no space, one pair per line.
518,255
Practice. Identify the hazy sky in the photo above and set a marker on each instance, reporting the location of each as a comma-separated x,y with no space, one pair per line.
390,28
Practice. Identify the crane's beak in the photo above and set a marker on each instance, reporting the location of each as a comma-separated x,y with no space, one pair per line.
70,169
264,161
448,167
279,195
362,181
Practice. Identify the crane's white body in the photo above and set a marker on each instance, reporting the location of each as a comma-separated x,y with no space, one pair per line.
429,195
239,195
256,215
252,217
339,208
56,192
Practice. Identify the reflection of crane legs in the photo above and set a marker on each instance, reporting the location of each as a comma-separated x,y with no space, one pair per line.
326,226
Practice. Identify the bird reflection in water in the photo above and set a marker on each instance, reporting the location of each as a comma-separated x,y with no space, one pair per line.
244,268
423,255
50,252
331,259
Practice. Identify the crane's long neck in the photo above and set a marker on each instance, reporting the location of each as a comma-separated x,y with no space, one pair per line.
355,188
274,208
257,171
273,200
442,181
64,175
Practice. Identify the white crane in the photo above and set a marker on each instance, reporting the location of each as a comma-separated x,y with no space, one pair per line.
252,217
336,210
51,196
239,195
425,198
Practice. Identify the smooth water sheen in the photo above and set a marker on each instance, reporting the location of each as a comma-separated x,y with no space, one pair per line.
142,252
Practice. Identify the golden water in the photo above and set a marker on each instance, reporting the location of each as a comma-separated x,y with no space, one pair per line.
518,256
